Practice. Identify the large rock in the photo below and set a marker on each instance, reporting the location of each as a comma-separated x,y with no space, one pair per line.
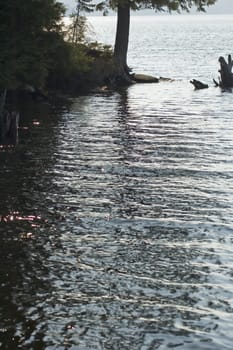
144,78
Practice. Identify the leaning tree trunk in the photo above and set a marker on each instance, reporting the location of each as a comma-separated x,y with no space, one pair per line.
122,41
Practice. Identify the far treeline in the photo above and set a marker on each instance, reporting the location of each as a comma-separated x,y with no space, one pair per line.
38,51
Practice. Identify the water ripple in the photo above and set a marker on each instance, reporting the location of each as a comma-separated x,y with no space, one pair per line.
116,218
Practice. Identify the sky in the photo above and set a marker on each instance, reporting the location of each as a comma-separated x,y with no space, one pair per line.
221,6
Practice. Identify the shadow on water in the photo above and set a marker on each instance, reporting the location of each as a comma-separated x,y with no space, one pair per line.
27,236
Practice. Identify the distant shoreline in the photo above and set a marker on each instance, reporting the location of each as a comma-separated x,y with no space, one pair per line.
152,14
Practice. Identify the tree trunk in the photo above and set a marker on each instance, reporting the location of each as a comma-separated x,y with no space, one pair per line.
121,42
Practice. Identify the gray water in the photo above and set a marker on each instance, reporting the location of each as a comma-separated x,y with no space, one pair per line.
116,225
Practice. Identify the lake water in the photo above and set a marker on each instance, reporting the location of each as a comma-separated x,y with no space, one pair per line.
116,209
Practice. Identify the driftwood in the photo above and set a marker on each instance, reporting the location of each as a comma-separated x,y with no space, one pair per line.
198,84
8,123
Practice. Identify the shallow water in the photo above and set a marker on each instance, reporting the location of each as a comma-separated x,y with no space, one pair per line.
116,212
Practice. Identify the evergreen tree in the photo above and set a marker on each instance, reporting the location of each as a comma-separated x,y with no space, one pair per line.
28,30
78,21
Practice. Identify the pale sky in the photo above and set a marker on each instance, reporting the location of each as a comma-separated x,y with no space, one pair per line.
221,6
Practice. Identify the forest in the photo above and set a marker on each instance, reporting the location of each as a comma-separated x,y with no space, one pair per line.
38,51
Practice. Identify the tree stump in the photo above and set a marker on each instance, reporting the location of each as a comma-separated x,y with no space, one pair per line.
226,76
8,123
2,102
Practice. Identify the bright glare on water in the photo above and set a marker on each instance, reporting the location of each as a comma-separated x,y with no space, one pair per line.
116,210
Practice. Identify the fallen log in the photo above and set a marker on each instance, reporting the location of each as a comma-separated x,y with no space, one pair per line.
166,79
